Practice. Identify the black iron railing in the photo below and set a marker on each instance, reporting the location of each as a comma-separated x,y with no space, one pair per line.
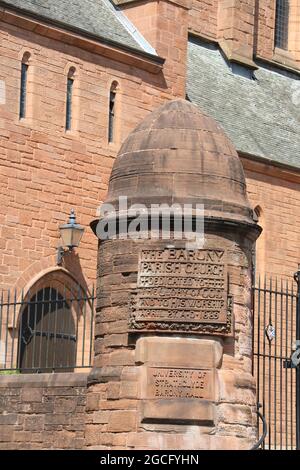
275,313
260,442
51,329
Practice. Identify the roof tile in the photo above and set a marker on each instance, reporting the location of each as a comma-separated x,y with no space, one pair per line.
92,16
261,116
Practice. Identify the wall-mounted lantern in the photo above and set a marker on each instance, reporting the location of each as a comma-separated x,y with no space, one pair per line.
71,234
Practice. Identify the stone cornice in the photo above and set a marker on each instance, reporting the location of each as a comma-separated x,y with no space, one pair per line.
231,56
182,3
276,61
79,38
239,56
270,168
125,2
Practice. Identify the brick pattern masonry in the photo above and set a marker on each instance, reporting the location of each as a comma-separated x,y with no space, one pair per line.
42,411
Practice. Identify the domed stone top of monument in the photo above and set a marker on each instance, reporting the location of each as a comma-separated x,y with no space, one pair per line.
180,155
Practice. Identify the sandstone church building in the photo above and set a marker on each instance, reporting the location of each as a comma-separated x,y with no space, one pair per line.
160,101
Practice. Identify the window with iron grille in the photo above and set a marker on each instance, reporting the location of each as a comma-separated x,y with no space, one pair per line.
282,24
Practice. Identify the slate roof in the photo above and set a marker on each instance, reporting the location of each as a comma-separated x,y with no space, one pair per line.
98,17
261,116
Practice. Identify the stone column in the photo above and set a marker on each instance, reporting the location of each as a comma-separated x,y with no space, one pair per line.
173,335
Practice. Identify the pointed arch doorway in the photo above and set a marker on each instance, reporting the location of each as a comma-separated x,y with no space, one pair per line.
54,329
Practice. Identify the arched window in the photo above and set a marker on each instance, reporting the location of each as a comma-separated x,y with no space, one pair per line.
23,86
282,24
69,98
47,335
112,112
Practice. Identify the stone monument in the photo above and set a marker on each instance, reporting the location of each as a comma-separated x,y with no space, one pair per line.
173,333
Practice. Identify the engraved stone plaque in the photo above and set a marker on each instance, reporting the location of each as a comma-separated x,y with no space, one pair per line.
182,290
170,383
178,394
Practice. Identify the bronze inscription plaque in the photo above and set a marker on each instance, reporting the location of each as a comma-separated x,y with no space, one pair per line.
181,290
176,383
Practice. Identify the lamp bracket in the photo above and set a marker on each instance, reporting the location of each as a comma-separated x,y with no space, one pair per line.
60,255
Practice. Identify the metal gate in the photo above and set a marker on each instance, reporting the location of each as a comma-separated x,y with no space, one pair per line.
47,334
276,357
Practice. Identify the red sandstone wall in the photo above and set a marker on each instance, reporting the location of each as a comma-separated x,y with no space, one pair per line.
265,24
247,27
44,170
44,411
265,34
165,25
203,18
278,195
